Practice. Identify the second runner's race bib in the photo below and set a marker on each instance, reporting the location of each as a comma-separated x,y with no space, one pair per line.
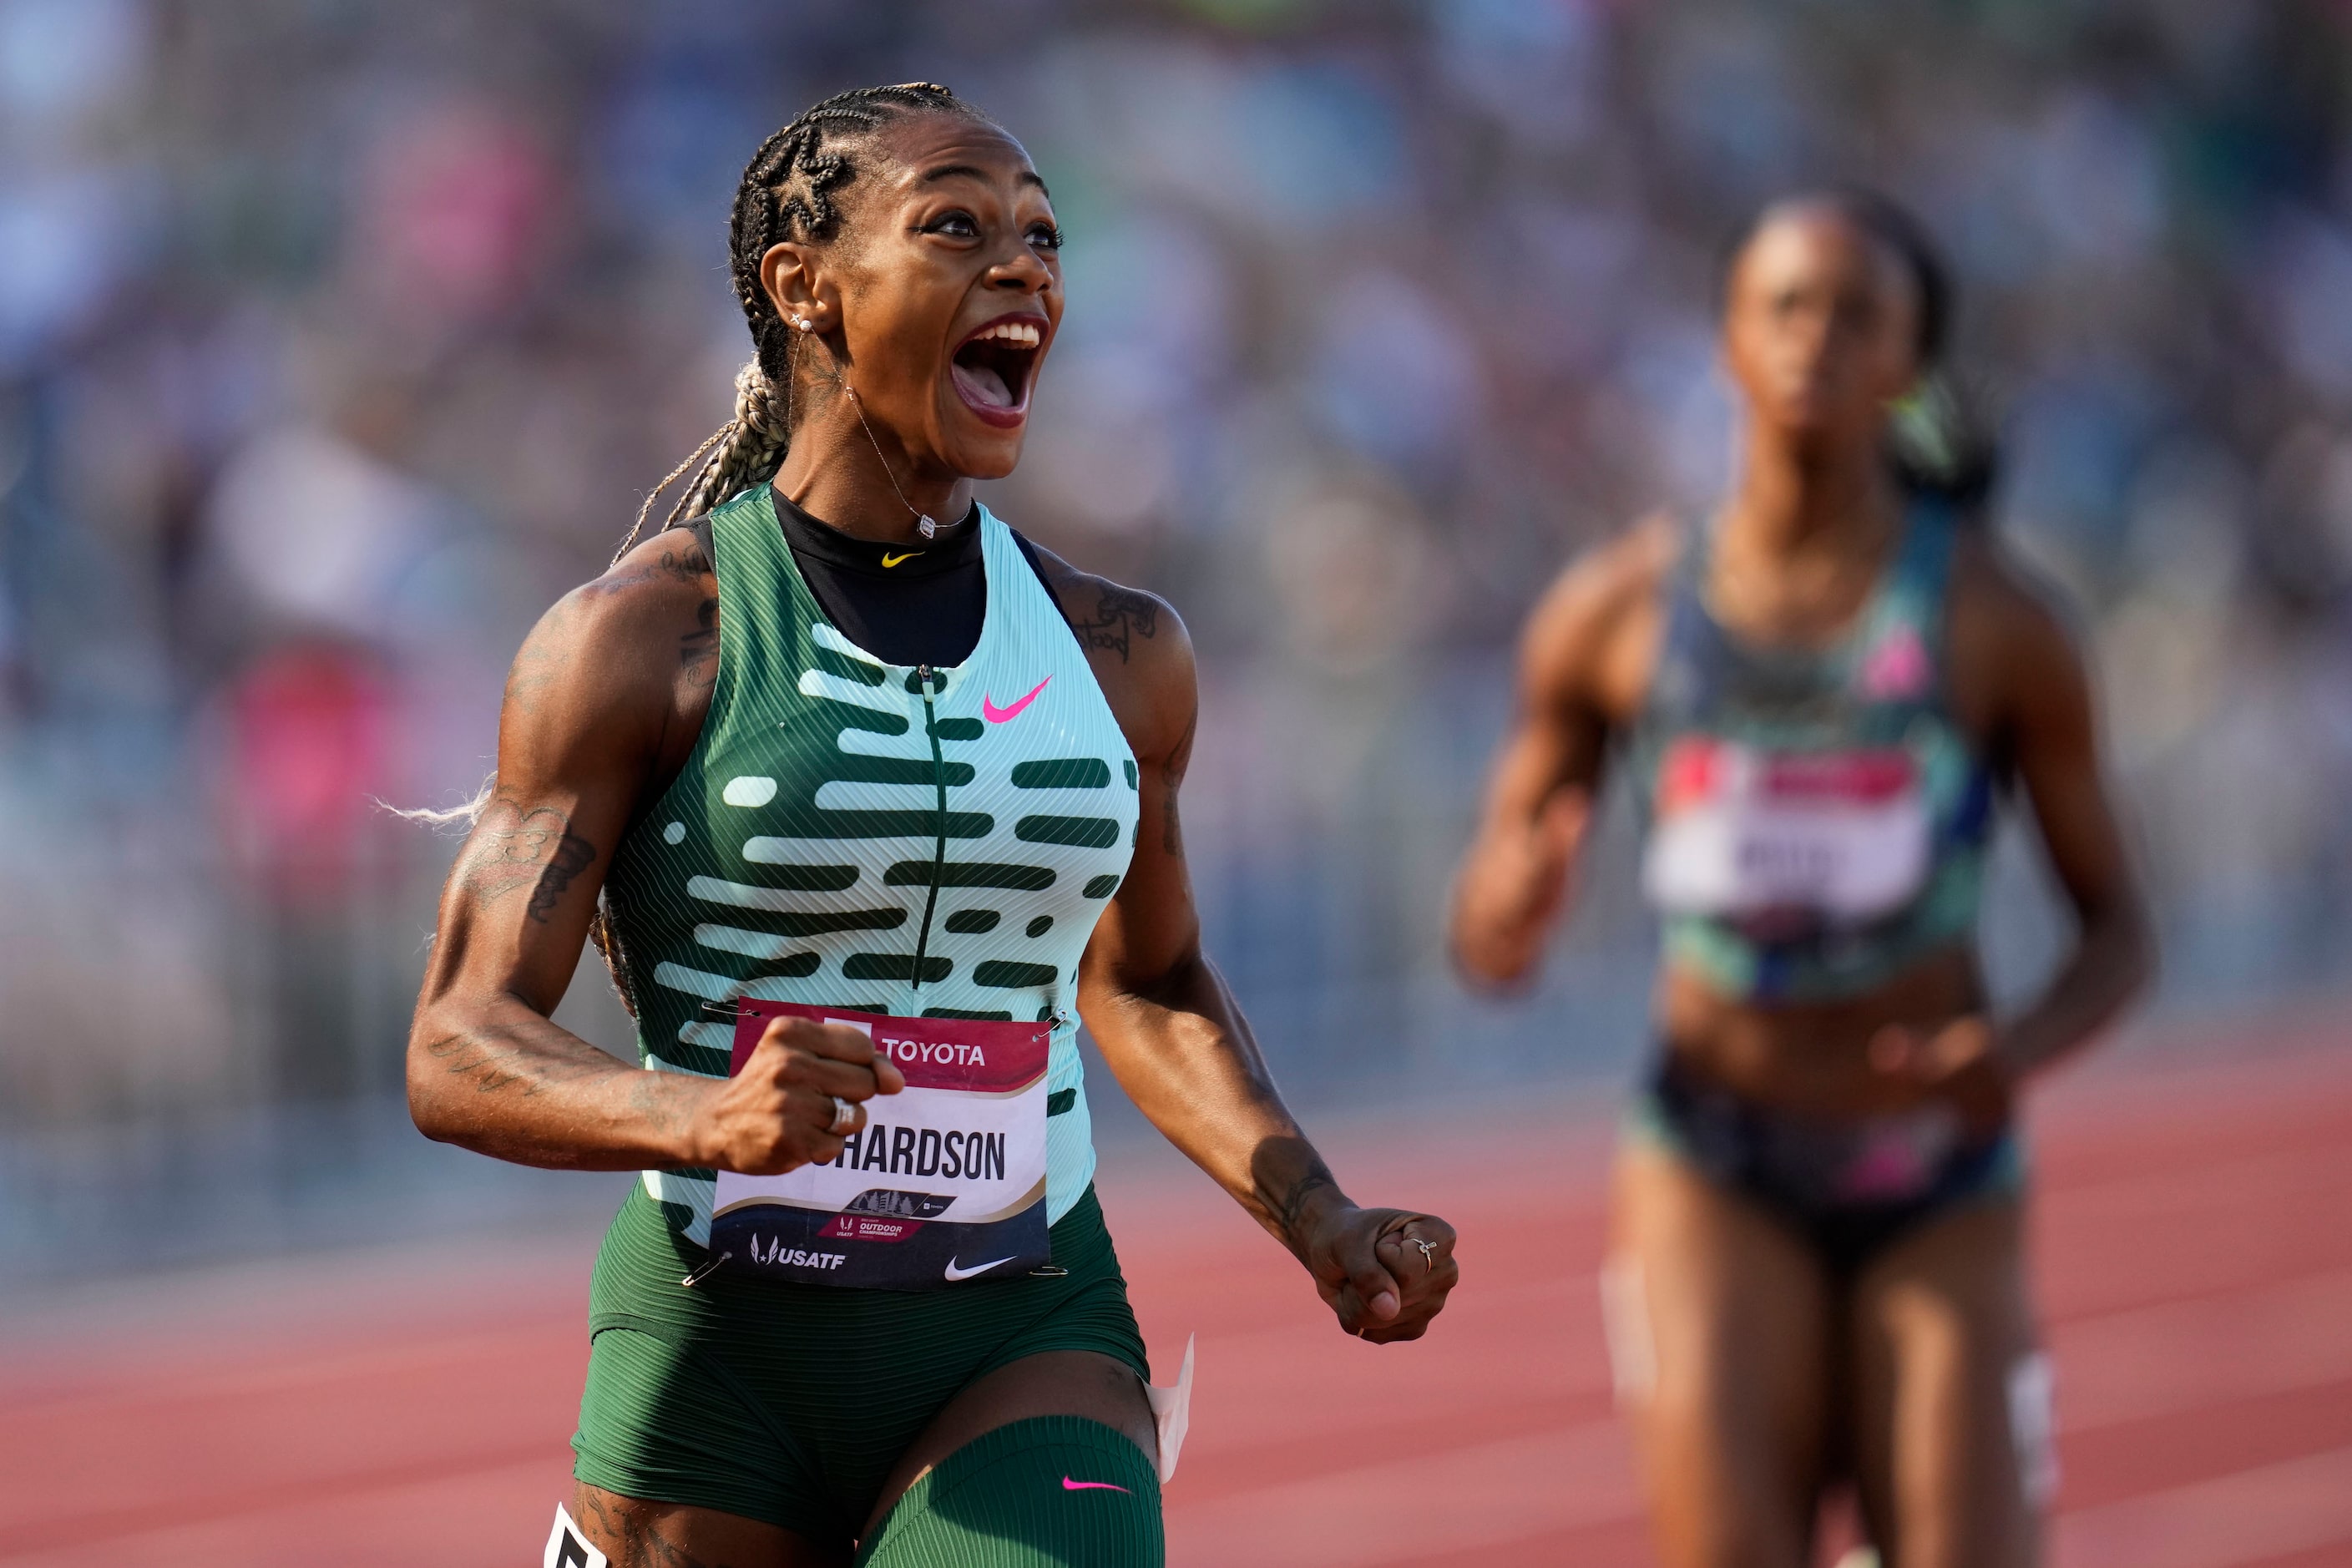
1743,833
946,1183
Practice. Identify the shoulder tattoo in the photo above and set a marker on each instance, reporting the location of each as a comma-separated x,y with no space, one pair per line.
1119,615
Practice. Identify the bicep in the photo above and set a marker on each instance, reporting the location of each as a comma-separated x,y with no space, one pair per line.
573,751
1150,925
1559,734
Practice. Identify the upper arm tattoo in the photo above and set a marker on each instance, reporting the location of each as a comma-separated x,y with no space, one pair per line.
571,856
514,846
697,650
1119,615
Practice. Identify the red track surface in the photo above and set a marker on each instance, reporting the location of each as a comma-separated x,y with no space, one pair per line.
2195,1265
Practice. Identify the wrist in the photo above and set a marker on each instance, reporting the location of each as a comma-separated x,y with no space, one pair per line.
1299,1197
1317,1214
677,1109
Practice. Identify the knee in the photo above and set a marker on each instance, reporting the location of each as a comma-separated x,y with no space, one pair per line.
1051,1489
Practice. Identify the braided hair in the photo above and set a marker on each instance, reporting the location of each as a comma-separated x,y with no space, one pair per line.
787,193
1934,442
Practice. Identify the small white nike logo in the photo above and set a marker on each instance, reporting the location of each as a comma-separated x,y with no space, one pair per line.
955,1273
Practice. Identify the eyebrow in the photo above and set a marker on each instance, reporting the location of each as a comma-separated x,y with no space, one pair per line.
973,171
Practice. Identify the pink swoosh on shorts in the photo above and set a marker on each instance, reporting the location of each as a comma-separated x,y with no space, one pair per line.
995,715
1070,1485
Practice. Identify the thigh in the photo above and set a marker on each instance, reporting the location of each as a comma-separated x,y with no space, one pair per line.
677,1460
1951,1429
1719,1323
637,1533
1085,1383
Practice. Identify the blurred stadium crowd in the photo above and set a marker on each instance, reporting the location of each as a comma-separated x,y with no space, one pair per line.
338,338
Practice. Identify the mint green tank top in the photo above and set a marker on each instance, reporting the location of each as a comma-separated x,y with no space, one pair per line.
915,841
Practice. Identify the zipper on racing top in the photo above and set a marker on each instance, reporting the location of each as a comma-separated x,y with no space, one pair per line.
925,676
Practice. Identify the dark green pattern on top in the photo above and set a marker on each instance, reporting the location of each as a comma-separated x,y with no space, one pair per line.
1094,832
825,807
1062,772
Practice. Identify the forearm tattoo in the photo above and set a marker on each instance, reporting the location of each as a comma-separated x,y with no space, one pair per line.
482,1065
1119,615
1287,1204
515,846
495,1064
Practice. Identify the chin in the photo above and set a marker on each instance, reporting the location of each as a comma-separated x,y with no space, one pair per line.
979,450
990,468
985,459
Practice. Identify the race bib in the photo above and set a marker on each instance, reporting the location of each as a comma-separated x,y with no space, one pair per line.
1743,833
946,1183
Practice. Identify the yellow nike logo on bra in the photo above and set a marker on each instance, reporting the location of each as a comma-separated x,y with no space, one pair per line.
890,560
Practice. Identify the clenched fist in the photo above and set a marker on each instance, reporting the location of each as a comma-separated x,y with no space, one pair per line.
779,1113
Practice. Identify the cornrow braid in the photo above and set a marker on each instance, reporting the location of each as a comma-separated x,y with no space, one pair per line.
786,193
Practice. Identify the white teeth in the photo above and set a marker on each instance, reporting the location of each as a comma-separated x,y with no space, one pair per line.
1011,333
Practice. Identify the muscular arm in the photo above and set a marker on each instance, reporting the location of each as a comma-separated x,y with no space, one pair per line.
1582,665
2040,716
1168,1025
603,705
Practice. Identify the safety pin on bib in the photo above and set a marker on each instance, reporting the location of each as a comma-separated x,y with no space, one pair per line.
706,1271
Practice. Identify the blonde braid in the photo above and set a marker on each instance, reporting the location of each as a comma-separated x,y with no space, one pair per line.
741,453
755,447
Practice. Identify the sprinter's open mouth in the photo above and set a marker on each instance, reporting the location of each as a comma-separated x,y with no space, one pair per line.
992,368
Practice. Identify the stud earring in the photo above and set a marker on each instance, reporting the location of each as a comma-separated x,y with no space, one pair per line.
803,323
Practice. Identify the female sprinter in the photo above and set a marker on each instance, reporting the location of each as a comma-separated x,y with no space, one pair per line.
1818,1269
848,740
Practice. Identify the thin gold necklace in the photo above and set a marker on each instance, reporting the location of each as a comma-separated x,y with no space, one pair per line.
924,524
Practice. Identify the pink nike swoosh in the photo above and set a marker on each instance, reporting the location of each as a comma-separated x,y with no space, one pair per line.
1070,1485
995,715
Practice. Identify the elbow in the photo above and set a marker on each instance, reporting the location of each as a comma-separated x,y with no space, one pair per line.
427,1102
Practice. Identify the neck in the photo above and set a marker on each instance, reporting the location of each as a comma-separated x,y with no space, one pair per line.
833,472
1788,501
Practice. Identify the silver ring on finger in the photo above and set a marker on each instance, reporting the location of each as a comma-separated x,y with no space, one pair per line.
845,1115
1428,1253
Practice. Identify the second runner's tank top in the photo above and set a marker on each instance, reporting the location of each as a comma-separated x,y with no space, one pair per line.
1816,817
847,833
